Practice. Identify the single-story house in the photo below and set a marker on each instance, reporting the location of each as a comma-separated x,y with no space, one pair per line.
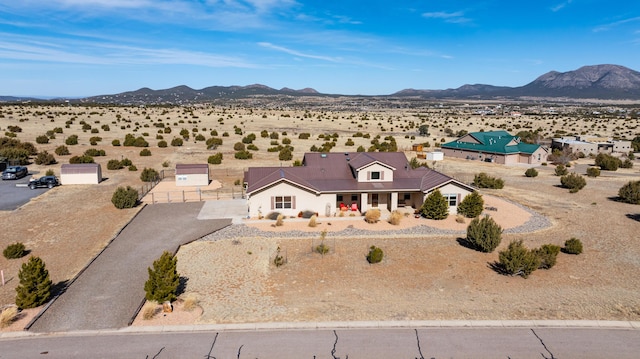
495,146
80,173
327,183
192,174
590,145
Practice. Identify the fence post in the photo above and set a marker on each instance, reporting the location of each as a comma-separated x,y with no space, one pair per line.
153,201
168,197
183,199
199,195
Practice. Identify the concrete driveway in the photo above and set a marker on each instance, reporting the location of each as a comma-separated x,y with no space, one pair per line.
235,209
109,291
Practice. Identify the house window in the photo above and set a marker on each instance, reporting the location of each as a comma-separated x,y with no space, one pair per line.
354,197
407,196
452,199
339,198
375,175
281,202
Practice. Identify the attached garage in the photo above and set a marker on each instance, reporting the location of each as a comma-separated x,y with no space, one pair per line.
192,174
80,173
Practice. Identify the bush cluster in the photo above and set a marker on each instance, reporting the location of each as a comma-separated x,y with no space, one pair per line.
630,192
593,171
149,175
519,260
62,150
561,170
215,159
45,158
572,246
607,162
482,180
531,172
81,159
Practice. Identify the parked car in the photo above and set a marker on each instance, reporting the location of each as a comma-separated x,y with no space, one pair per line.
45,181
14,172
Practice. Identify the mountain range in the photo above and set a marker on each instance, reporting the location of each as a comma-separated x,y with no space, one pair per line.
606,82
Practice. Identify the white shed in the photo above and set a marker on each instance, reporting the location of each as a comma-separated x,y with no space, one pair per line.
192,174
80,173
435,156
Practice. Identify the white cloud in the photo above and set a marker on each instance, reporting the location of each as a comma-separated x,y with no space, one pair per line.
561,5
269,45
456,17
606,27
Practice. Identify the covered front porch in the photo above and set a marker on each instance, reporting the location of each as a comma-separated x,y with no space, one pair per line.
389,201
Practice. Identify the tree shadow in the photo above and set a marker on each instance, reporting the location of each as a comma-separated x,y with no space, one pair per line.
465,243
497,267
616,199
182,285
59,288
634,216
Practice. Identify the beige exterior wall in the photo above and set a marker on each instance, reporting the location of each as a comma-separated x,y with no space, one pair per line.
622,146
79,178
386,174
199,179
260,203
448,189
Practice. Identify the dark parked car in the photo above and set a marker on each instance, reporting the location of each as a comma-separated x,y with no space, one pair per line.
45,181
14,172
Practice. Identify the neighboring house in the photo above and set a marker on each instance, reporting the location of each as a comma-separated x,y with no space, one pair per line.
80,173
328,182
495,146
192,174
590,145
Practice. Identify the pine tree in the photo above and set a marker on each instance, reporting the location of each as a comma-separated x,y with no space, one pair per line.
164,280
435,206
472,205
35,285
484,234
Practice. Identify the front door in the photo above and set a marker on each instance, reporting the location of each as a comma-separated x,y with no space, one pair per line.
374,200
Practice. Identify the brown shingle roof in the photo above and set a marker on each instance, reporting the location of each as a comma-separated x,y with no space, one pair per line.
336,172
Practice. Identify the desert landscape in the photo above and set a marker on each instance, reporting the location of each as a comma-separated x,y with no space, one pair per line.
422,276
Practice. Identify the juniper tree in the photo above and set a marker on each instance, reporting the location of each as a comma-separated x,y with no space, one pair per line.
435,206
472,205
484,234
164,280
35,285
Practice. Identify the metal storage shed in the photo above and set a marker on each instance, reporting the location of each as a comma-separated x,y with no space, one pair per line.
192,174
80,173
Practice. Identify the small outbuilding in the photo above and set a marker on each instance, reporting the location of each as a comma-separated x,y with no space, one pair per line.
192,174
435,156
80,173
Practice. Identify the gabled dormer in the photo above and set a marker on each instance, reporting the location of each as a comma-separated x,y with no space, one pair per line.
367,169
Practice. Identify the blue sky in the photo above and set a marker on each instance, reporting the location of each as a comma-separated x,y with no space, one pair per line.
92,47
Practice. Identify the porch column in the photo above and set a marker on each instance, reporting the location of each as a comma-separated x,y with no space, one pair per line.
394,201
364,199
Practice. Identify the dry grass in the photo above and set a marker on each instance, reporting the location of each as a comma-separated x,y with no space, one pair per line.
460,218
190,302
280,220
8,316
372,216
149,310
313,221
395,218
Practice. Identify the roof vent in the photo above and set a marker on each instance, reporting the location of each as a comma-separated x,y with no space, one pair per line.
348,159
323,155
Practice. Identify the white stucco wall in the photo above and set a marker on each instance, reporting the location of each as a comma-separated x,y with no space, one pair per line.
387,177
260,202
452,188
193,179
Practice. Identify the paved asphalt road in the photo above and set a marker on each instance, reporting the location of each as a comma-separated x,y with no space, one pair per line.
12,196
498,342
108,292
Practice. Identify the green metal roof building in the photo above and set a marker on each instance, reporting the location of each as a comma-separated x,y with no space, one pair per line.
495,146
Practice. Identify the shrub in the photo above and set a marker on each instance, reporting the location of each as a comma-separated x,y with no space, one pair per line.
49,172
574,182
132,168
243,155
435,206
164,280
518,260
71,140
239,146
177,142
273,215
630,192
531,172
285,154
215,159
280,220
94,152
8,316
81,159
114,165
35,285
126,162
375,255
313,221
149,175
472,205
572,246
145,152
593,171
124,197
547,255
190,302
62,150
115,143
279,259
149,310
607,162
43,139
395,218
14,251
372,215
45,158
626,163
484,234
561,170
162,144
482,180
